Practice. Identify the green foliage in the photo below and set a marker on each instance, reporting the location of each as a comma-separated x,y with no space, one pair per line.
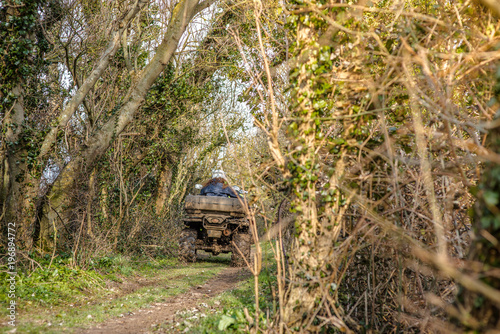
54,285
64,283
488,192
22,45
170,102
225,321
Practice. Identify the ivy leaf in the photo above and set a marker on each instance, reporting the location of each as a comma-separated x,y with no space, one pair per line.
225,322
486,221
491,197
319,104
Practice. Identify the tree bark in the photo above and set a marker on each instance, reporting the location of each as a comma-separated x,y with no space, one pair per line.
164,192
312,256
56,208
12,166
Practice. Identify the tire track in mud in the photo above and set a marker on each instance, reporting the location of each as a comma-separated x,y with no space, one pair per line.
143,320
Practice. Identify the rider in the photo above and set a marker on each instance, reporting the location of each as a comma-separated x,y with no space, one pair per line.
217,186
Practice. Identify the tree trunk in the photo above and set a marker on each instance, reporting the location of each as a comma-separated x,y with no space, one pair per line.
311,261
13,167
56,208
164,192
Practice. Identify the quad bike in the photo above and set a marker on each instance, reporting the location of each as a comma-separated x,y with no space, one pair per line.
217,225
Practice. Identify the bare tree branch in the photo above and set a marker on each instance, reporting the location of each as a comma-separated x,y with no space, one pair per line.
113,45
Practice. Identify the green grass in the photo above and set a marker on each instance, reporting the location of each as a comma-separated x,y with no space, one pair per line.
62,298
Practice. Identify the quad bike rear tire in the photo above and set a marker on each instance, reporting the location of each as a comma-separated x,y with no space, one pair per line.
242,242
187,245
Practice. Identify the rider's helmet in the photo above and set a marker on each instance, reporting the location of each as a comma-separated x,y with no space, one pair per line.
218,173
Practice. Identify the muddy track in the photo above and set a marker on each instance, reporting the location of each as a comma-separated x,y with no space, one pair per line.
144,320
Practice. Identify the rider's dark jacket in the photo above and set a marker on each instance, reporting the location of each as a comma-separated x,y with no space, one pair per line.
218,190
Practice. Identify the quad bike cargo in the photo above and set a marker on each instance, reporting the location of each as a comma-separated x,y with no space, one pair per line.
218,225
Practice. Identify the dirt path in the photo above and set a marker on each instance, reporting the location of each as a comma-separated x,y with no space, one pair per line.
145,320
